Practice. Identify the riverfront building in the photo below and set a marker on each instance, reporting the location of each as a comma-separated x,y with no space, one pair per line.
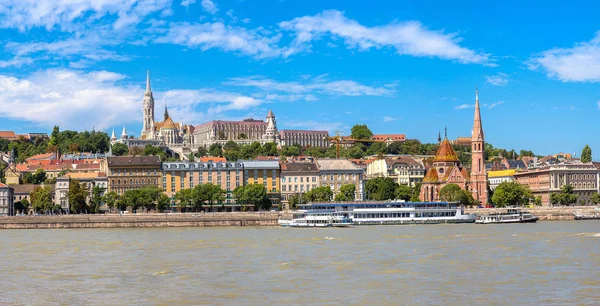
498,177
177,176
266,173
6,200
88,182
546,180
337,172
132,172
298,178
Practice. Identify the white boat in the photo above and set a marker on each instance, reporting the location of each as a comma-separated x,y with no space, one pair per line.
317,219
511,215
590,216
411,214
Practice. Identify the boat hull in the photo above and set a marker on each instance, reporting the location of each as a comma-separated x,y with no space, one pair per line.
528,220
409,222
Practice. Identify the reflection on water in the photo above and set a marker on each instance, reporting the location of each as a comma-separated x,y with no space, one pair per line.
548,262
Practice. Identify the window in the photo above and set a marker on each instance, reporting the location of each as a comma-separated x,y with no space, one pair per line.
283,179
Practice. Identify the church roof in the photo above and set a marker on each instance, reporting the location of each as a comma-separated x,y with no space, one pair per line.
445,153
169,124
431,176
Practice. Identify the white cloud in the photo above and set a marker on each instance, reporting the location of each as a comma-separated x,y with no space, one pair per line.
15,62
70,15
217,35
495,104
317,84
187,3
407,38
389,119
464,106
581,63
501,79
75,99
331,127
209,6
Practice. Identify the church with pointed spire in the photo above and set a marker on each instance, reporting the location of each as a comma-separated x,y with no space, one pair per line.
447,169
171,133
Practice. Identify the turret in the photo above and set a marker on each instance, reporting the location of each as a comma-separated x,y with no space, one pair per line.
124,133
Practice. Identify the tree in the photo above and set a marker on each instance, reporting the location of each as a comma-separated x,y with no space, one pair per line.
361,131
449,192
184,199
269,149
347,193
511,194
595,198
213,193
22,206
294,200
215,150
415,192
96,199
41,199
201,152
130,198
135,151
564,197
119,149
110,198
290,151
242,136
319,194
254,194
526,153
586,154
77,197
38,177
403,192
147,196
464,198
380,189
162,202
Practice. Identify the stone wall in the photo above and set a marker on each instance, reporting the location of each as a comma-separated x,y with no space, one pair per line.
544,213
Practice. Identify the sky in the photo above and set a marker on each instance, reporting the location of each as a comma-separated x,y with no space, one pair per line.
407,67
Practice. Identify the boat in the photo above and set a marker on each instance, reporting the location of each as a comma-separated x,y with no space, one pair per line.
398,212
577,215
511,215
317,219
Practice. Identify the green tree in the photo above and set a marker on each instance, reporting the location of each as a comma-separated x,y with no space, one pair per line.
254,194
294,200
403,192
213,194
361,131
242,136
566,196
77,197
526,153
347,193
119,149
380,189
595,198
586,154
110,198
511,194
449,192
319,194
150,150
377,148
202,151
415,192
215,150
96,199
270,149
184,199
162,202
130,198
41,199
464,198
38,177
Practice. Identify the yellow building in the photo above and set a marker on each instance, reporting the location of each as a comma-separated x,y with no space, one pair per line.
266,173
186,175
498,177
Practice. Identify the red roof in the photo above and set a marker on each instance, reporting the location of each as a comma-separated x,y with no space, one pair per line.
3,185
45,156
8,135
389,137
208,159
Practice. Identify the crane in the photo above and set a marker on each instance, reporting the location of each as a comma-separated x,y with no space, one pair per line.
337,139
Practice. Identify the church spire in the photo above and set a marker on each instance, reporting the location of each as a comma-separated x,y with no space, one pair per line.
166,112
148,89
477,133
439,137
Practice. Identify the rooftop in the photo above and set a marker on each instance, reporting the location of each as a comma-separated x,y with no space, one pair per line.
116,161
260,164
299,167
336,164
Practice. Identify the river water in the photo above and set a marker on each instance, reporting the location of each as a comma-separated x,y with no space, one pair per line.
547,262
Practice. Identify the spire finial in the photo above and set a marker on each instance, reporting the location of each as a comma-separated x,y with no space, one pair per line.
476,93
439,137
166,112
148,89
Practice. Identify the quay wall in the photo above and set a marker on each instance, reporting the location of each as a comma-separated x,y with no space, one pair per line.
140,220
544,213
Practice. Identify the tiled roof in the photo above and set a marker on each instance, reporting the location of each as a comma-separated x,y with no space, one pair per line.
408,160
261,164
209,159
516,164
23,189
431,176
3,185
445,153
80,175
133,161
389,137
336,164
47,156
9,135
299,167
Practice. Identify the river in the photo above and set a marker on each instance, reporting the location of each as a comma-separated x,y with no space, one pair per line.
548,262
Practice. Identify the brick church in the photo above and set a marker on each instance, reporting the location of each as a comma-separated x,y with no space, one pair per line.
446,168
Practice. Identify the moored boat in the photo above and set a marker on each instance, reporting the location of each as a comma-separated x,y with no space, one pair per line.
577,215
511,215
318,219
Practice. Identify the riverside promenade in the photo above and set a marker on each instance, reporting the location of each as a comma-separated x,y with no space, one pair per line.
141,220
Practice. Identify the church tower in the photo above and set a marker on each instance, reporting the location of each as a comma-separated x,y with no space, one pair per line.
148,111
271,133
478,182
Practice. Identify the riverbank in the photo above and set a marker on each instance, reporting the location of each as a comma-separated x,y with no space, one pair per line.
141,220
544,213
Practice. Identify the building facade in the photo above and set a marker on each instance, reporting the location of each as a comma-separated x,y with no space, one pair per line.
550,179
177,176
298,178
408,170
337,172
497,177
132,172
304,138
88,182
266,173
6,200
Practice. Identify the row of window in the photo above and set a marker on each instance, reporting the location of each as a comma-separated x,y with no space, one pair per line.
131,181
295,179
302,187
338,176
132,171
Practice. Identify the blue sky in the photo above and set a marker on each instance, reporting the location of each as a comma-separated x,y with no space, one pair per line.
398,66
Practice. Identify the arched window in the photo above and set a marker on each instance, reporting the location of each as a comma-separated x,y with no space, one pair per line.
130,181
119,182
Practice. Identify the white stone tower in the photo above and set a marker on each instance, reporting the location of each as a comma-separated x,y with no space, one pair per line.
271,133
148,111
